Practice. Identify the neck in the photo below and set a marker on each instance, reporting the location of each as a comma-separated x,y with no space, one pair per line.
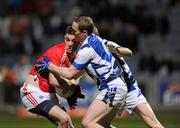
70,56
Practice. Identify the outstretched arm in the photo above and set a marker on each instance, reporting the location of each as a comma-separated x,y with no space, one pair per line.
59,81
117,49
68,73
123,52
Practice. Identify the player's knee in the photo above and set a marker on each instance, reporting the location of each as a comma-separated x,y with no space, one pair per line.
64,121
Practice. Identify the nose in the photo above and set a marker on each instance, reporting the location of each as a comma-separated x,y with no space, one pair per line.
71,43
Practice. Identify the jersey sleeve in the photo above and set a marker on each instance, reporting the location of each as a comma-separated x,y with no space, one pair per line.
111,44
84,56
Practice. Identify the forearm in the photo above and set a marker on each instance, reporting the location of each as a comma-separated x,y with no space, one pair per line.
61,71
124,51
61,82
117,49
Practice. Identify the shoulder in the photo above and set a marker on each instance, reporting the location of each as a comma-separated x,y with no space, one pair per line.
94,40
57,47
55,50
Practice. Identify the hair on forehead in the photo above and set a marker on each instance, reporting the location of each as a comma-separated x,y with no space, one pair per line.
69,30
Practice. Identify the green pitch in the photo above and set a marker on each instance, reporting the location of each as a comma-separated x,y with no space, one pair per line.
168,120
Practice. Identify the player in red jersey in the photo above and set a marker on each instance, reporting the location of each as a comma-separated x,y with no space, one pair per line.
38,92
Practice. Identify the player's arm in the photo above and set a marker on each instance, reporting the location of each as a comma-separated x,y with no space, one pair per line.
117,49
57,80
60,82
53,80
123,51
68,73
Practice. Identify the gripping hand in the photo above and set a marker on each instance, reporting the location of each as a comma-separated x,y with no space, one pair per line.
72,100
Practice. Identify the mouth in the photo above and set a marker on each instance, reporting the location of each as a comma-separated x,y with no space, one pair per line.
69,49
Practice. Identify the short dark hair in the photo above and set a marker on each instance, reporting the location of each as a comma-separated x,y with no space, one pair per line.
69,30
84,23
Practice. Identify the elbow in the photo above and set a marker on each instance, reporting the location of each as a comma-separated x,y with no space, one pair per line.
128,52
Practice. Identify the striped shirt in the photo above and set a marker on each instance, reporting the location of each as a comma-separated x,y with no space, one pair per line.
95,57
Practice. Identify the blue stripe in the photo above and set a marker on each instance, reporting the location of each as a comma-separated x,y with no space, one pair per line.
105,98
139,93
96,44
78,66
85,46
112,98
101,76
96,66
132,88
110,94
102,86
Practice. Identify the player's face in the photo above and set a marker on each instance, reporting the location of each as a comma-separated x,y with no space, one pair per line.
70,42
77,33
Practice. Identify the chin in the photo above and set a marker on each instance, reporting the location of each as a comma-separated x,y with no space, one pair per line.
69,51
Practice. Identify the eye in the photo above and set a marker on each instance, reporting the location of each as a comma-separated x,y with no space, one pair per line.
67,39
73,40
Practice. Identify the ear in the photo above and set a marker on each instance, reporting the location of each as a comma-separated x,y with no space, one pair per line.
85,33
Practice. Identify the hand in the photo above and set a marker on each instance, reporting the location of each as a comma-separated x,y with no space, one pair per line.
42,66
78,92
72,100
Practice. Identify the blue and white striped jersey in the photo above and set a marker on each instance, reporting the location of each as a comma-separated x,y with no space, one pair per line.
127,74
94,56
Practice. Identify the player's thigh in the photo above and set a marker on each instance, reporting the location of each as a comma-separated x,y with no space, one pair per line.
106,120
98,111
133,99
145,111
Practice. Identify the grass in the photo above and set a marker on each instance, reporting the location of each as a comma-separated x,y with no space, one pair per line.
168,120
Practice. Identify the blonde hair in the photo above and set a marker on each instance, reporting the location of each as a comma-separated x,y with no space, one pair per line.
84,23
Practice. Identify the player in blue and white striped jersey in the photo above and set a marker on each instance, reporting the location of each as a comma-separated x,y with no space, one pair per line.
96,58
135,101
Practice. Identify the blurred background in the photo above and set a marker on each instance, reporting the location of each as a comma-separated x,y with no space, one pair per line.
150,28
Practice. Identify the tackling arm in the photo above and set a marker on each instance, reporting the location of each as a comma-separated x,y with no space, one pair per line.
54,80
68,73
60,82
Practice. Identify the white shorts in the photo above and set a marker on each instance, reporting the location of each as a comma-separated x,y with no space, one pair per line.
115,94
134,98
32,96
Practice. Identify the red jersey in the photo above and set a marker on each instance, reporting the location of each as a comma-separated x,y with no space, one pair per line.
58,56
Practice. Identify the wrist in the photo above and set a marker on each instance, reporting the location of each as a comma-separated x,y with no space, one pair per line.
49,66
